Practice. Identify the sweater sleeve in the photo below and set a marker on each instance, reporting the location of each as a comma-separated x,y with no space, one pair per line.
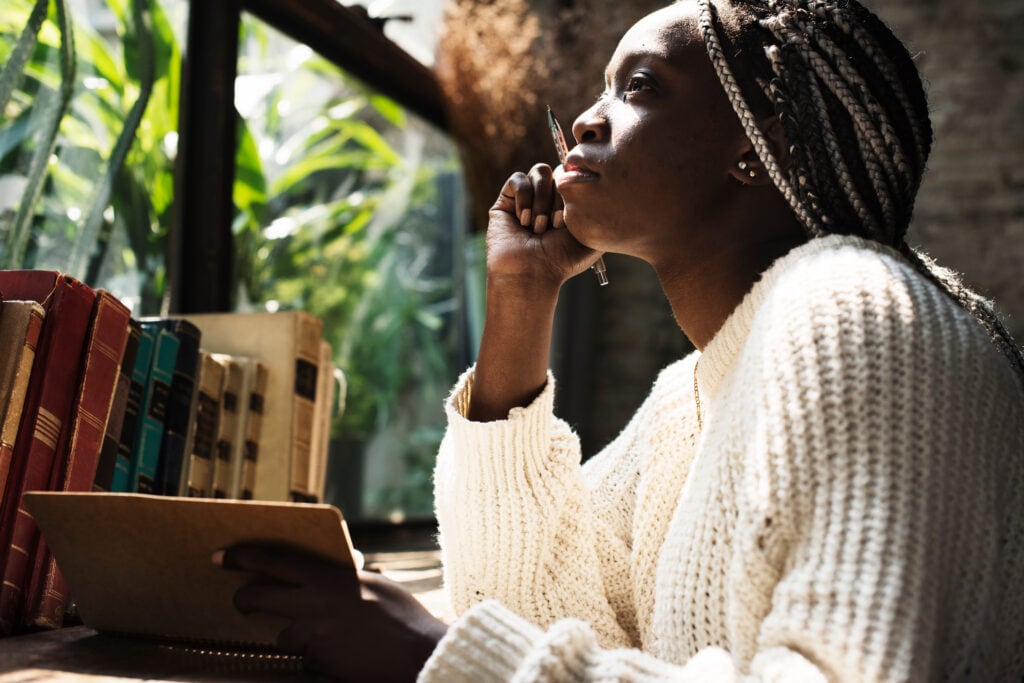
517,521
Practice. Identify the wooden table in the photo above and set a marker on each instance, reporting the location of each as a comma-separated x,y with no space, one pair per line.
81,654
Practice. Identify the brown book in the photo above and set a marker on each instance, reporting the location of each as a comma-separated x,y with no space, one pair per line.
68,304
288,342
118,407
75,468
140,565
228,425
20,325
205,432
253,431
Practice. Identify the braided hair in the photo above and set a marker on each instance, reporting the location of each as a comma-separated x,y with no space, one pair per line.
833,69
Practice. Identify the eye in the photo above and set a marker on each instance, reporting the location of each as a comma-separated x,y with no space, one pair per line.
638,82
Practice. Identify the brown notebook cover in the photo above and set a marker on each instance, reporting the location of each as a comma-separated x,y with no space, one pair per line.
140,565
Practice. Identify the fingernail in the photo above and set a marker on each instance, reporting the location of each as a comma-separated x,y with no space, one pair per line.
218,558
558,220
540,224
524,219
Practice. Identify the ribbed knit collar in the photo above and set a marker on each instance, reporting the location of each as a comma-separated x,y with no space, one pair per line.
719,354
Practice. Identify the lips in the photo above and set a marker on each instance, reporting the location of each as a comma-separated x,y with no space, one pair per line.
576,169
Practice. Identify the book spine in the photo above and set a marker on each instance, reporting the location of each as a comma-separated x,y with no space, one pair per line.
207,421
253,428
43,427
228,427
307,358
76,466
23,321
122,480
111,438
153,413
180,404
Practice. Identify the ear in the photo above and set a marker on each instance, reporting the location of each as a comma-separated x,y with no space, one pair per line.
747,167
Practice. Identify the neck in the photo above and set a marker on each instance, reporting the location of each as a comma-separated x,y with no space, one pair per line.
704,291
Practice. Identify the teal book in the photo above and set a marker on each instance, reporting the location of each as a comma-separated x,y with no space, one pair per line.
153,412
181,404
122,479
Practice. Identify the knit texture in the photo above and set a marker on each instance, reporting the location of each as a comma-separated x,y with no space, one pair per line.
853,508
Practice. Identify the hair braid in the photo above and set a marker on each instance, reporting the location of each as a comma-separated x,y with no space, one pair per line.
853,108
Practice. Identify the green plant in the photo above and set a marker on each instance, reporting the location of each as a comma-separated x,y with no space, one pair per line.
104,150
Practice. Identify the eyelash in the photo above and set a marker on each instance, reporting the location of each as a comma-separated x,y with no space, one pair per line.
636,83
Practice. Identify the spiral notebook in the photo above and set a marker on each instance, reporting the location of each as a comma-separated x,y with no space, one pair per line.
140,565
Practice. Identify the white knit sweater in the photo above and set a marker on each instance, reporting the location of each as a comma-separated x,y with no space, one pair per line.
853,508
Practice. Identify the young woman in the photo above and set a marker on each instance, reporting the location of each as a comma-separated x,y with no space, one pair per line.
830,488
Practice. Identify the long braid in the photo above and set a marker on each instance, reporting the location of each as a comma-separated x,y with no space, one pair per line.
853,109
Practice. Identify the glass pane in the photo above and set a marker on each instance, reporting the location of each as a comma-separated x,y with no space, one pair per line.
91,125
352,208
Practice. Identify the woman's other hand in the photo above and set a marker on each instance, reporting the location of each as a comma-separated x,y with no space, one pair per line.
349,624
526,238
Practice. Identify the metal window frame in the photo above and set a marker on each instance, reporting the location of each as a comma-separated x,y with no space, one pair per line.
201,253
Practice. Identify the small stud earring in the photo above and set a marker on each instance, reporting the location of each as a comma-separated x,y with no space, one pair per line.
742,165
753,173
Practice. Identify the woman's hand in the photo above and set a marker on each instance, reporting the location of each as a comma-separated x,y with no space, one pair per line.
353,625
526,237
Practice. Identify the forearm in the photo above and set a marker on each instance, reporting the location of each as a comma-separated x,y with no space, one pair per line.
512,365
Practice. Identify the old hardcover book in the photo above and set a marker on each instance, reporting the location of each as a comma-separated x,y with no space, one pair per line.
229,425
20,325
68,304
180,406
288,343
153,412
122,481
325,387
75,467
210,383
111,437
253,430
140,565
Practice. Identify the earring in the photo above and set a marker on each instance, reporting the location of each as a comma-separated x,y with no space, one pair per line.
743,165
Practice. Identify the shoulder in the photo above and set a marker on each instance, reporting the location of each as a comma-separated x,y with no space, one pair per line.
848,295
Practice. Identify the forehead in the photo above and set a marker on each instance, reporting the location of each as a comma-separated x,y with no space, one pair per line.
669,34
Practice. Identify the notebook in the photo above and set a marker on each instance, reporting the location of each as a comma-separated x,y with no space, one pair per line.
140,565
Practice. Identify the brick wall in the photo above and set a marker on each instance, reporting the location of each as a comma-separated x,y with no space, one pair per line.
969,216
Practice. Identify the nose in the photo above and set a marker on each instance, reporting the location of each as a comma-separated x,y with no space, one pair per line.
591,125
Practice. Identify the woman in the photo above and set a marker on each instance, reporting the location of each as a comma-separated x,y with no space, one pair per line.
831,487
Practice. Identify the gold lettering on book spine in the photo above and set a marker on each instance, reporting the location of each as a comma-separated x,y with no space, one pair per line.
47,428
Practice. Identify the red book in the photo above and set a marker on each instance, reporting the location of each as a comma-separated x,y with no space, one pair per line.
68,304
75,468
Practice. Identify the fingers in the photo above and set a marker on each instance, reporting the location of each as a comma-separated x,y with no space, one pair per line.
285,564
532,199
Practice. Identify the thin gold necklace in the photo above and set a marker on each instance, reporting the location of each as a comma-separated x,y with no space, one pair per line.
696,400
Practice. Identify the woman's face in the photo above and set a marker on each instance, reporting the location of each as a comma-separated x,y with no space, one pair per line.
652,165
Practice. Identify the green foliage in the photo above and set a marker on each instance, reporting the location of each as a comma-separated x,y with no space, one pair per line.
104,155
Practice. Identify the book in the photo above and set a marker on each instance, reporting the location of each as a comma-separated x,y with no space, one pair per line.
140,564
75,467
20,325
320,441
118,407
153,411
180,405
228,425
122,481
210,390
253,431
68,305
288,342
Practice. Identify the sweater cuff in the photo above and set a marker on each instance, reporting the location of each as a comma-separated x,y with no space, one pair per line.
532,422
487,643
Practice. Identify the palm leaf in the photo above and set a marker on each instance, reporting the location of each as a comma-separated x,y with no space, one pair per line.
55,111
14,69
84,256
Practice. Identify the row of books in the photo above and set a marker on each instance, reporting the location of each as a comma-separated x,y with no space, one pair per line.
219,405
